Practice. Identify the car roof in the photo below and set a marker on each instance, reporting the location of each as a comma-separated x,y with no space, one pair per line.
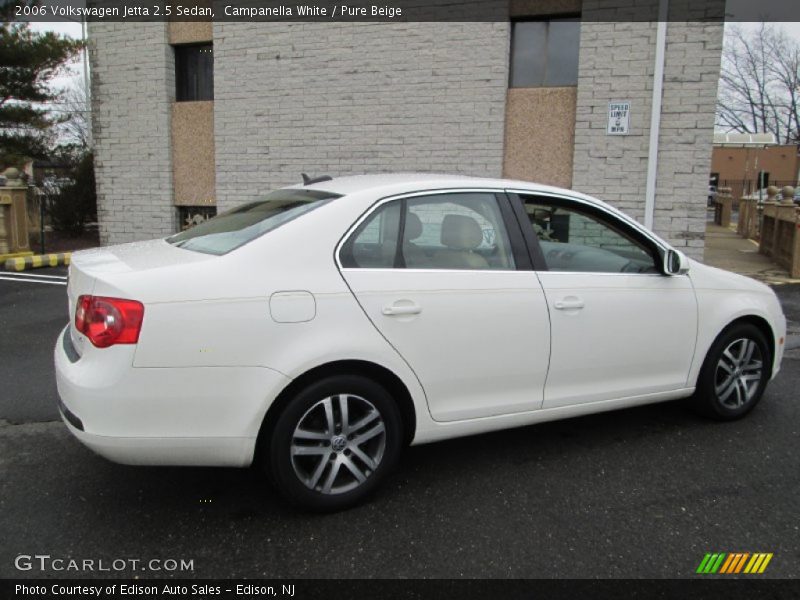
399,183
392,184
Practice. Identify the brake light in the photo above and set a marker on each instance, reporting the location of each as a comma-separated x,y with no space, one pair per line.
109,321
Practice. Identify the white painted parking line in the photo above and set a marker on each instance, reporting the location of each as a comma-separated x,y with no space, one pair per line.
35,276
33,280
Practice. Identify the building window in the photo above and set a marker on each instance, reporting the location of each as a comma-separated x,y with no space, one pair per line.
189,216
545,53
194,73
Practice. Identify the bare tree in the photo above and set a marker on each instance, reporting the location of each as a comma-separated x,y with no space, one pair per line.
759,88
75,130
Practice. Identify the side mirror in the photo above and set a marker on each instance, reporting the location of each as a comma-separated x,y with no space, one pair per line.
675,263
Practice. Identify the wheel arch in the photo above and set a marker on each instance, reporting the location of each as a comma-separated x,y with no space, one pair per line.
757,321
382,375
763,326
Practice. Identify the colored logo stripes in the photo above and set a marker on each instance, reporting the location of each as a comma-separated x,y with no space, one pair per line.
734,562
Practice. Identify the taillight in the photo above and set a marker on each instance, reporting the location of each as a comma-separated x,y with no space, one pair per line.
109,321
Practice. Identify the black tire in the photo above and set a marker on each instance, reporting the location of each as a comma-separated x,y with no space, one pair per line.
716,396
309,407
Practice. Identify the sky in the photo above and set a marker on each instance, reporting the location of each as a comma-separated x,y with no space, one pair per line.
793,29
75,70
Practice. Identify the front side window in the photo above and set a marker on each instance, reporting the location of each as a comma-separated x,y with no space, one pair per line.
545,53
194,73
236,227
440,231
575,240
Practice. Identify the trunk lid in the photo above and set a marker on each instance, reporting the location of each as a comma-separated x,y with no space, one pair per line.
108,266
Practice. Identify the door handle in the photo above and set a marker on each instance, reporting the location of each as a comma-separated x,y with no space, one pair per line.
406,309
569,303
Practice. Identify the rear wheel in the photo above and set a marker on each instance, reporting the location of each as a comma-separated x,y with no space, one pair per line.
335,442
734,374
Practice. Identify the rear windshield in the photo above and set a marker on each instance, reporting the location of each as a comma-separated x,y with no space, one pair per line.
236,227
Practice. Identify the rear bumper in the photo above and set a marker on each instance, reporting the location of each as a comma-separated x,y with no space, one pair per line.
206,416
199,452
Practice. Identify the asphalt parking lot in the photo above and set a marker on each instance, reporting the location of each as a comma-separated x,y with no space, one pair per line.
636,493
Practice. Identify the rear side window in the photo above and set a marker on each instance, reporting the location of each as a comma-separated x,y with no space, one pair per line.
374,244
441,231
243,224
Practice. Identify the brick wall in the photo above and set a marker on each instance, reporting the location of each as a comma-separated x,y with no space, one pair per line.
342,98
691,77
617,63
132,89
346,98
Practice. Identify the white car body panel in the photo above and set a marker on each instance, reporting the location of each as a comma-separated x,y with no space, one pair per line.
634,335
192,416
480,344
436,431
723,297
223,336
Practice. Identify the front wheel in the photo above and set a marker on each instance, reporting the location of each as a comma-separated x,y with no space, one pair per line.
734,374
335,442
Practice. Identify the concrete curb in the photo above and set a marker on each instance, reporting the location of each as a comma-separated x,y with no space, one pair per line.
792,342
38,261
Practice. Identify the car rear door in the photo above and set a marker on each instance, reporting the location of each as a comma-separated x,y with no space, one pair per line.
450,286
619,327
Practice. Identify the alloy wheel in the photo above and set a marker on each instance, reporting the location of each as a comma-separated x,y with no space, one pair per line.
738,373
338,443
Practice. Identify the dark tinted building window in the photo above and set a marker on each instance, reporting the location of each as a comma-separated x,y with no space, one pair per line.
545,53
194,73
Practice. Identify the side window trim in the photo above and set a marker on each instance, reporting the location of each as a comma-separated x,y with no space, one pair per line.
535,254
519,249
607,219
400,260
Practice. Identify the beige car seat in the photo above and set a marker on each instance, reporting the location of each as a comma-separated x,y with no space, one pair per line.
461,235
413,255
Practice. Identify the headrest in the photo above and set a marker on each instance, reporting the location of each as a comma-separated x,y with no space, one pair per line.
413,227
460,232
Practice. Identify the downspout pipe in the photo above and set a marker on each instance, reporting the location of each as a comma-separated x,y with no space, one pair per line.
655,113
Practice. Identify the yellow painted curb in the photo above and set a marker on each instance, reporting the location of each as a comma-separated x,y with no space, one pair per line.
21,263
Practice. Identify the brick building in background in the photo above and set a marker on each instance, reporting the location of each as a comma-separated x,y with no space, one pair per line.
747,162
190,118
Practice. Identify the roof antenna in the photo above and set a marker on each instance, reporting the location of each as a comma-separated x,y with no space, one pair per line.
309,181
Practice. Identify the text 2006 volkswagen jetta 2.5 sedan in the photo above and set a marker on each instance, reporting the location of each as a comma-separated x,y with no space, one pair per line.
326,326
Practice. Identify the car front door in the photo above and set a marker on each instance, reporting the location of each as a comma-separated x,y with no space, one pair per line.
450,286
620,328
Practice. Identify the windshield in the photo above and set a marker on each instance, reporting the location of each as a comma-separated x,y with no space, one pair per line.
244,223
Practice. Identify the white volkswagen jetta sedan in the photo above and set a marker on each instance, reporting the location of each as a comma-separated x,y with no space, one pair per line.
326,326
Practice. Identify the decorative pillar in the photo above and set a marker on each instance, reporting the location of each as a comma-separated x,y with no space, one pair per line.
723,206
788,195
772,194
13,216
